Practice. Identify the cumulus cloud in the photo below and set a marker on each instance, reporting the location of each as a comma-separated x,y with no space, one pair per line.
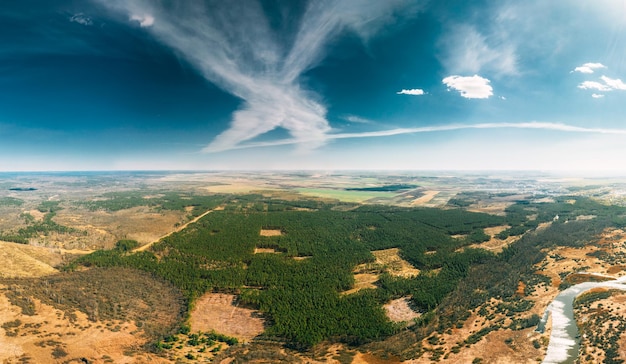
589,67
615,84
597,96
235,46
144,20
414,92
473,87
594,85
82,19
609,84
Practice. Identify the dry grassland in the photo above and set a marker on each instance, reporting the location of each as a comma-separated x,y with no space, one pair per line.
105,228
494,208
52,336
387,260
424,199
362,281
494,244
390,259
20,260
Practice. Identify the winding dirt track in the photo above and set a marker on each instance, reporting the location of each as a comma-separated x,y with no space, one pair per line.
181,227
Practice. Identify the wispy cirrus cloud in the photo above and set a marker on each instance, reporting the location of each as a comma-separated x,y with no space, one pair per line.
412,92
472,87
358,119
468,50
233,45
532,125
588,67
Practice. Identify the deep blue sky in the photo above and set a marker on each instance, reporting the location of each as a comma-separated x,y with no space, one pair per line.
478,85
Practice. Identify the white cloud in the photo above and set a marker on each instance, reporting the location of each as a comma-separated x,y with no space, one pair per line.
609,84
235,46
82,19
474,87
615,84
414,92
144,20
589,67
593,85
358,119
597,96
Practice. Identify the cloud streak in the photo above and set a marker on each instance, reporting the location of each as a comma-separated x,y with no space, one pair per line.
532,125
234,46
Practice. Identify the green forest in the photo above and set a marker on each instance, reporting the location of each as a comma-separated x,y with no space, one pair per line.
301,298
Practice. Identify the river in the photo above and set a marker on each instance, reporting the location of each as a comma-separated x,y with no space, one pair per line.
564,342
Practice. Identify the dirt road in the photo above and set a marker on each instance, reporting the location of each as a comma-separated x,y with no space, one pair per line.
181,227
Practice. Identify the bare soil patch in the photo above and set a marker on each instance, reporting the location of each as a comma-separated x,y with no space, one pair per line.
220,312
399,310
395,265
271,232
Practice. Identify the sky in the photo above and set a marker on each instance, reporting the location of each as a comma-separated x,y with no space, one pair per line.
313,85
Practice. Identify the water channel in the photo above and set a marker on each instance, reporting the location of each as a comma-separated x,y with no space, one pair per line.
564,339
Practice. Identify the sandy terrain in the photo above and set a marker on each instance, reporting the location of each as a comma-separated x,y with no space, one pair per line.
220,312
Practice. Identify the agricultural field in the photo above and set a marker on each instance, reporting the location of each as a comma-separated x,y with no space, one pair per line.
417,269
